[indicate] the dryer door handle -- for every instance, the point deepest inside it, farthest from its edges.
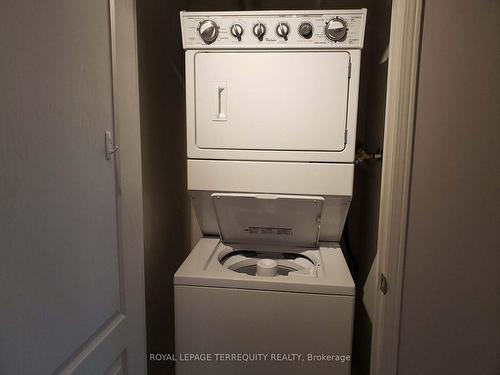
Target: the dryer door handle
(221, 102)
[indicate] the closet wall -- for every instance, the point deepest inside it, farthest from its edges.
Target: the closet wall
(166, 210)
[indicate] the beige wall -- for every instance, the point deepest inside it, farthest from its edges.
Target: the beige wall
(451, 298)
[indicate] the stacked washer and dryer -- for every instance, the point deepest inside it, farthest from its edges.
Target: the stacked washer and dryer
(271, 99)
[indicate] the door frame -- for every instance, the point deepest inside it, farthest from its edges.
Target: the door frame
(402, 78)
(129, 178)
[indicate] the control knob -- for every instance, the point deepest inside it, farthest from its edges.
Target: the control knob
(237, 31)
(208, 30)
(306, 30)
(336, 29)
(259, 30)
(282, 30)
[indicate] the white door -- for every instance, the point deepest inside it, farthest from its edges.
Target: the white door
(272, 100)
(62, 277)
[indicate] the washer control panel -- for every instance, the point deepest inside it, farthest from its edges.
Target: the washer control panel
(274, 29)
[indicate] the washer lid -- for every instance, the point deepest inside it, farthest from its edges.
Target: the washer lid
(292, 220)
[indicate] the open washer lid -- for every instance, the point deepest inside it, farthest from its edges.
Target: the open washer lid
(271, 219)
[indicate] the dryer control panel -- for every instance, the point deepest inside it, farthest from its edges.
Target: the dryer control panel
(342, 29)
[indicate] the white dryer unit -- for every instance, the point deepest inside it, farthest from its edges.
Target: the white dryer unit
(275, 98)
(271, 121)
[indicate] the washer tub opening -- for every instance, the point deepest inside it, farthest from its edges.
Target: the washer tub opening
(245, 261)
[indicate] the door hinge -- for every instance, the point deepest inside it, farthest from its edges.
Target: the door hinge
(345, 137)
(109, 147)
(349, 69)
(383, 284)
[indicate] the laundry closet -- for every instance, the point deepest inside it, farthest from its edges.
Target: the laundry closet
(171, 225)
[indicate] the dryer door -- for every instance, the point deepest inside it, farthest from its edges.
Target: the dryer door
(271, 100)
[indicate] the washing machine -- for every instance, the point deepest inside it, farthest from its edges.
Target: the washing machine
(271, 100)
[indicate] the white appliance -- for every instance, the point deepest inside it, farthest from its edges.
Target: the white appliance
(271, 101)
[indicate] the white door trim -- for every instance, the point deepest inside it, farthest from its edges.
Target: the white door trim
(129, 177)
(396, 170)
